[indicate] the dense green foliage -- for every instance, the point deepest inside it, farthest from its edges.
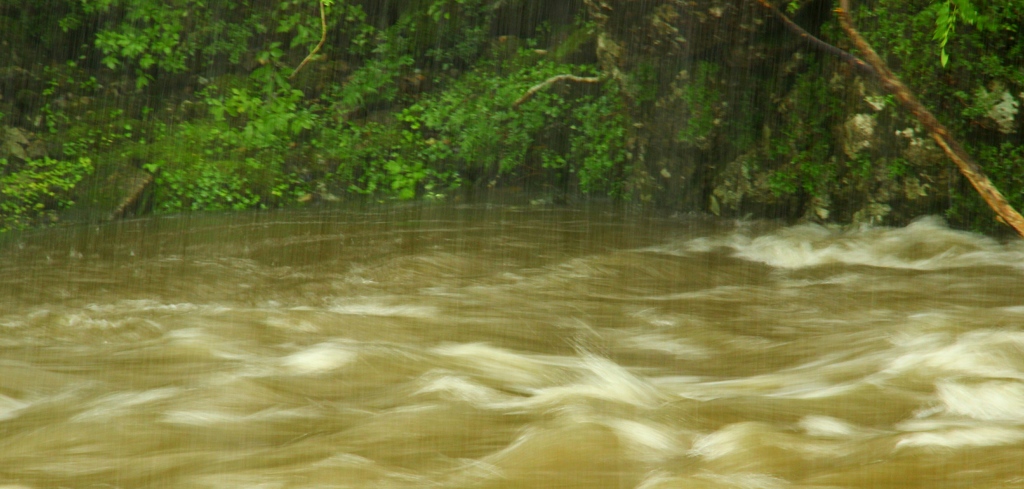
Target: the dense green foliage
(422, 98)
(266, 139)
(804, 149)
(31, 194)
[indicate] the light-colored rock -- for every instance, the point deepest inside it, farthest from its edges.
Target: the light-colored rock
(872, 213)
(860, 134)
(1004, 112)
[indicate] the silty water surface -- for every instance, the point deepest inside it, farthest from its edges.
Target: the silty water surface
(508, 347)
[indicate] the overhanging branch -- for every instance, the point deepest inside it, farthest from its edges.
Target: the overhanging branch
(818, 43)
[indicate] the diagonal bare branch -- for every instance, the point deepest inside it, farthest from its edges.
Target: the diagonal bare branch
(557, 78)
(968, 167)
(818, 43)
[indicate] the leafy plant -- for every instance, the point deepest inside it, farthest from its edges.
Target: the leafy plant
(947, 14)
(701, 98)
(262, 118)
(209, 185)
(599, 143)
(35, 191)
(804, 148)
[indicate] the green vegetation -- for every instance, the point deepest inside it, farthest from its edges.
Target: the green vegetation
(31, 194)
(803, 153)
(703, 101)
(427, 98)
(948, 13)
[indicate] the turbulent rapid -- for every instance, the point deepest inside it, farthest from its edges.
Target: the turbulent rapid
(508, 347)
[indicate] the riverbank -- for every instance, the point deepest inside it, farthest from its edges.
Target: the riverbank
(697, 108)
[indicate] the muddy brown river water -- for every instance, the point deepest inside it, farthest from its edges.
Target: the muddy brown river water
(508, 347)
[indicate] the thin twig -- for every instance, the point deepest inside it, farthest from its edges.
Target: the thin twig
(818, 43)
(968, 167)
(557, 78)
(323, 39)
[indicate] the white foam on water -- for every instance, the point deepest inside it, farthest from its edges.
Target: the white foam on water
(213, 417)
(189, 335)
(151, 305)
(600, 378)
(511, 368)
(981, 353)
(727, 441)
(345, 460)
(201, 343)
(10, 407)
(798, 248)
(384, 310)
(990, 401)
(978, 436)
(802, 382)
(200, 418)
(663, 343)
(619, 384)
(320, 358)
(82, 321)
(926, 244)
(1013, 309)
(547, 382)
(645, 441)
(457, 387)
(827, 427)
(659, 479)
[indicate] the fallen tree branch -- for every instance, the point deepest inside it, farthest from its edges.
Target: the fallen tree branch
(323, 39)
(557, 78)
(968, 167)
(818, 43)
